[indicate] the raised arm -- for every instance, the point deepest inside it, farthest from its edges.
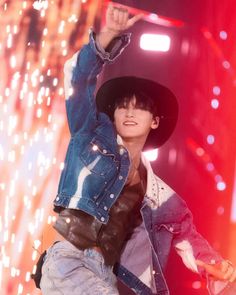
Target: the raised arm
(81, 71)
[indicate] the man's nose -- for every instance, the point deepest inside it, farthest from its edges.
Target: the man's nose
(129, 112)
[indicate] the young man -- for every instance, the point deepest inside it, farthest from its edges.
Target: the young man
(118, 219)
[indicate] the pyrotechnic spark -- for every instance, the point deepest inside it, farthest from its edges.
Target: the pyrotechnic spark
(32, 47)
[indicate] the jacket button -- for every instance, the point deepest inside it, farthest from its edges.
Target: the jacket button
(104, 151)
(121, 151)
(112, 196)
(102, 219)
(95, 147)
(57, 198)
(120, 177)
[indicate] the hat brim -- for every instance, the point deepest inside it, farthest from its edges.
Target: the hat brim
(166, 101)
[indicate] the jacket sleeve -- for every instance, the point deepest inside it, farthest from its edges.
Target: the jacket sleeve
(190, 245)
(80, 77)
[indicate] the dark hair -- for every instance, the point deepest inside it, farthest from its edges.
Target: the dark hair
(143, 101)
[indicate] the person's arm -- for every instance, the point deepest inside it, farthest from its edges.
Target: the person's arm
(200, 257)
(81, 71)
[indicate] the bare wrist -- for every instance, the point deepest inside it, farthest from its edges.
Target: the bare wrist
(106, 36)
(110, 32)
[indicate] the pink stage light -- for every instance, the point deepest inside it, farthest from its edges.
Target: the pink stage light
(221, 186)
(215, 103)
(155, 42)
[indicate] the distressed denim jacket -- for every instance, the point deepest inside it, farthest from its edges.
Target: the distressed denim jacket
(96, 169)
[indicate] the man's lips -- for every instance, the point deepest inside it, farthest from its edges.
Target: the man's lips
(129, 123)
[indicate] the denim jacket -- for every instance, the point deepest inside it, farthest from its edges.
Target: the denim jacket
(96, 169)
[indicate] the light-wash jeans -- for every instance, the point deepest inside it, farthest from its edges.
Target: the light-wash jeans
(69, 271)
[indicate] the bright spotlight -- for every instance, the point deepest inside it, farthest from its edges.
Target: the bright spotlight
(40, 4)
(155, 42)
(221, 186)
(151, 155)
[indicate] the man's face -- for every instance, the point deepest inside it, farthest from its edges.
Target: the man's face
(132, 122)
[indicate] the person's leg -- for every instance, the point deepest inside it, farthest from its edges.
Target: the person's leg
(67, 270)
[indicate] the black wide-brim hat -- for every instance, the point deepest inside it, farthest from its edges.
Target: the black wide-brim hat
(167, 105)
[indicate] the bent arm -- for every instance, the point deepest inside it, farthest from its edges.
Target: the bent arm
(191, 246)
(82, 70)
(81, 77)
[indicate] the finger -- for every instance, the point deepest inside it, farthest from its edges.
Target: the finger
(121, 16)
(110, 10)
(212, 269)
(233, 276)
(214, 272)
(228, 273)
(201, 263)
(224, 266)
(124, 18)
(116, 15)
(133, 20)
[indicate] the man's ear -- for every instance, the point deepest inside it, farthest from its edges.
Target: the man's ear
(155, 122)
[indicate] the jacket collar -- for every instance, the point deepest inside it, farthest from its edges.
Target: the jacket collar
(152, 193)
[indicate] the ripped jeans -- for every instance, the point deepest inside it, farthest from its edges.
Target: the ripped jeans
(70, 271)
